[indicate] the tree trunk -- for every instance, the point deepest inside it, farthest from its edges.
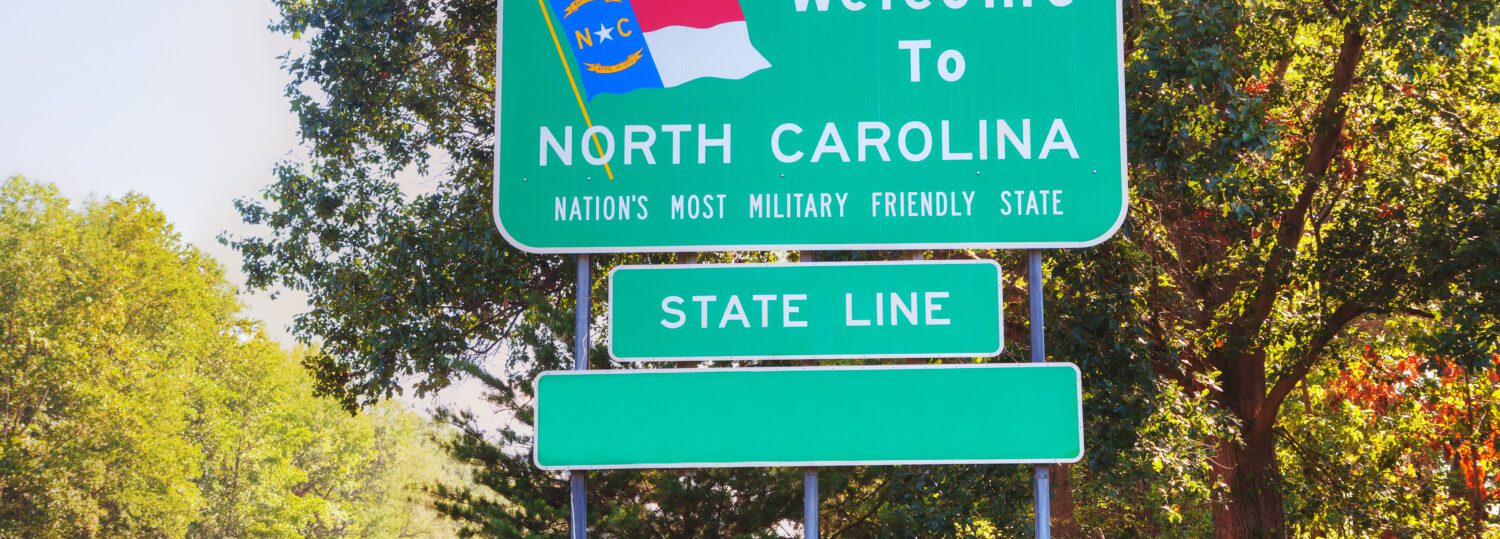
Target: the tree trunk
(1252, 508)
(1478, 512)
(1064, 525)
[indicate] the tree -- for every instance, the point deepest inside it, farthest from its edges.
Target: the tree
(1283, 199)
(279, 462)
(1299, 171)
(134, 402)
(102, 311)
(1396, 443)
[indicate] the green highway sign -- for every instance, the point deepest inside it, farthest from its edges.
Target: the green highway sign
(805, 311)
(668, 125)
(830, 416)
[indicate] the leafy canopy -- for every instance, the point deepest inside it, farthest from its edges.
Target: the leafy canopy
(135, 402)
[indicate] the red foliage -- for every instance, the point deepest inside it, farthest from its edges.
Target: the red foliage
(1459, 403)
(1256, 87)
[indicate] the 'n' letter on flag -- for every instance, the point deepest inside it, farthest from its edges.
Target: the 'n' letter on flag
(626, 45)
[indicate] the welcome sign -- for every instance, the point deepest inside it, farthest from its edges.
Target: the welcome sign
(700, 125)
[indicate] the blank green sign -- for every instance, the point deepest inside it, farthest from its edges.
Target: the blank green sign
(805, 311)
(698, 418)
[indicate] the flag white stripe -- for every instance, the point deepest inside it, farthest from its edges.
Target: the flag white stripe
(724, 51)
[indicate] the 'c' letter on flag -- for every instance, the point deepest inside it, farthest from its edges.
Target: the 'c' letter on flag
(626, 45)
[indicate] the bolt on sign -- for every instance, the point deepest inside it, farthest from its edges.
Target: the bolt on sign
(818, 416)
(703, 125)
(805, 311)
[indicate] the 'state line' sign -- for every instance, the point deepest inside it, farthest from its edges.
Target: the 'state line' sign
(805, 311)
(677, 125)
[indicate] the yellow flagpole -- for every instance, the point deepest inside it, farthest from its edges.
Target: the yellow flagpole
(564, 59)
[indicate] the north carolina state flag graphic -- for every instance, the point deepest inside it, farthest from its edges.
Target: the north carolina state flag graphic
(626, 45)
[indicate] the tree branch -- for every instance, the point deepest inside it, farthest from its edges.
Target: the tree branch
(1184, 279)
(1458, 120)
(1335, 325)
(1329, 128)
(882, 495)
(1333, 8)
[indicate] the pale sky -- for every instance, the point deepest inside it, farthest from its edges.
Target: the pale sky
(180, 100)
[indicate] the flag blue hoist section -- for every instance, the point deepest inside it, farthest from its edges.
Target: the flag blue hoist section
(609, 45)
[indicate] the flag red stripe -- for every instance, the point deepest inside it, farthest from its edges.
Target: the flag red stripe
(658, 14)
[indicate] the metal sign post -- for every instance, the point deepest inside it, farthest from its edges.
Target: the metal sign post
(810, 503)
(810, 498)
(1041, 472)
(579, 522)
